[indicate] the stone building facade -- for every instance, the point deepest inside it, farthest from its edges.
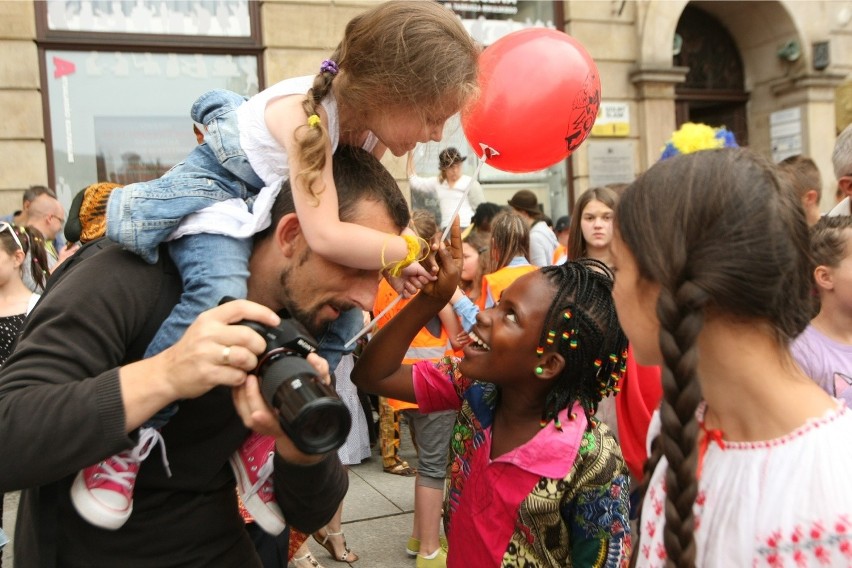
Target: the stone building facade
(777, 73)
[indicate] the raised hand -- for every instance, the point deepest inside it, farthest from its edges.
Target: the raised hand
(449, 261)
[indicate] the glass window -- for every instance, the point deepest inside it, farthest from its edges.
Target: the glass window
(124, 116)
(222, 18)
(489, 20)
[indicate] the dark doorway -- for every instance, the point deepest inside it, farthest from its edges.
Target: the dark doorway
(714, 90)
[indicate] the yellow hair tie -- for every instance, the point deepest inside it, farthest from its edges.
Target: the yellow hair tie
(418, 249)
(314, 121)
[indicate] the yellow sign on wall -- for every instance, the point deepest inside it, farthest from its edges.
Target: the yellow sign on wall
(613, 120)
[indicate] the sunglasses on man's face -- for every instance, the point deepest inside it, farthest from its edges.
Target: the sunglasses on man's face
(4, 226)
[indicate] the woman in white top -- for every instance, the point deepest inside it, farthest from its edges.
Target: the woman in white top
(449, 186)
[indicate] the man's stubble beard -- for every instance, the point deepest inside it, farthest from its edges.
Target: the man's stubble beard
(308, 319)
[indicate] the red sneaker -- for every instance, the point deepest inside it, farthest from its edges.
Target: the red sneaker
(252, 465)
(103, 493)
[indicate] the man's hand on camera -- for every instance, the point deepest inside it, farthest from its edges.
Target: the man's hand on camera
(321, 367)
(214, 352)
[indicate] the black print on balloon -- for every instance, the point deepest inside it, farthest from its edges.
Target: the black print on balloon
(585, 110)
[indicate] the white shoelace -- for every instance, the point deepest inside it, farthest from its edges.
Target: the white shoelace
(263, 475)
(148, 438)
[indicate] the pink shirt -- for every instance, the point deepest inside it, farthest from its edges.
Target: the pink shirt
(484, 495)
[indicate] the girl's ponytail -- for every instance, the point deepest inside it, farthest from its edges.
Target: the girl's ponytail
(32, 242)
(314, 136)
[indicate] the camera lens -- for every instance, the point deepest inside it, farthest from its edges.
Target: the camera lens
(309, 411)
(323, 425)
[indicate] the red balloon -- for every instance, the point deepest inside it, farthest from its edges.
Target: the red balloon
(539, 95)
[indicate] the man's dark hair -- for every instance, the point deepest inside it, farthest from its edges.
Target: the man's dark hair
(34, 191)
(485, 213)
(358, 176)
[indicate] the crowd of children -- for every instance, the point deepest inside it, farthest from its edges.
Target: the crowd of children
(738, 317)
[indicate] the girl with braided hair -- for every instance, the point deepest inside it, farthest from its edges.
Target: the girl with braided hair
(749, 457)
(534, 479)
(402, 69)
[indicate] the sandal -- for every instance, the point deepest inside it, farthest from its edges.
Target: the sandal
(347, 556)
(401, 467)
(306, 561)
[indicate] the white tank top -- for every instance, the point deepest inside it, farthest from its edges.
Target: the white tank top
(269, 161)
(266, 156)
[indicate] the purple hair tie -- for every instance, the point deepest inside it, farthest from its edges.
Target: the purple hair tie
(329, 66)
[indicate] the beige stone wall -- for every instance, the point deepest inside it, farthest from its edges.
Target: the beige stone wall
(23, 159)
(609, 37)
(630, 41)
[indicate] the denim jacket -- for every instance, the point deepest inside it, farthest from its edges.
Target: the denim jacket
(142, 215)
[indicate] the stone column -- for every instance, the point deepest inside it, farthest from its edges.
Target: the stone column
(655, 102)
(23, 157)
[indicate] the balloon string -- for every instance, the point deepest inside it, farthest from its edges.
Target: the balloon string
(370, 325)
(396, 300)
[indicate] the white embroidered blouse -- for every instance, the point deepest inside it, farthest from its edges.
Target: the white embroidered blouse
(783, 502)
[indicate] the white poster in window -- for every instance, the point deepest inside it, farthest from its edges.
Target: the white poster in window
(220, 18)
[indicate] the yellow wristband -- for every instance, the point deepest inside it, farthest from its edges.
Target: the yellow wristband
(415, 253)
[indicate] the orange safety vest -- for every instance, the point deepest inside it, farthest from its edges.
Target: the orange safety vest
(560, 253)
(424, 346)
(500, 280)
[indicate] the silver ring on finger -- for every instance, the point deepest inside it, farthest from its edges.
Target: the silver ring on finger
(226, 356)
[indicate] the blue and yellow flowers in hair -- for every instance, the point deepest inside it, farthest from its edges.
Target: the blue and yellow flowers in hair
(692, 137)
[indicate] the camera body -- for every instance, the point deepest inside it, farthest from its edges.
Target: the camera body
(309, 411)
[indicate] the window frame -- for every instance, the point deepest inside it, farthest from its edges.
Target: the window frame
(65, 40)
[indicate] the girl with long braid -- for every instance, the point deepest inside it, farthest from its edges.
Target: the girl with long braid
(533, 479)
(749, 457)
(401, 70)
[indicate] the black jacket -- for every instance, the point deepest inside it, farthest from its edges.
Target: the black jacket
(61, 411)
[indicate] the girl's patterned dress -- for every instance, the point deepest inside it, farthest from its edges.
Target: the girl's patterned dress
(561, 499)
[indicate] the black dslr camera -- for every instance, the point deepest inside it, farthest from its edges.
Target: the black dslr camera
(309, 411)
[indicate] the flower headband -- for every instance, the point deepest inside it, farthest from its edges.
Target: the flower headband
(692, 137)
